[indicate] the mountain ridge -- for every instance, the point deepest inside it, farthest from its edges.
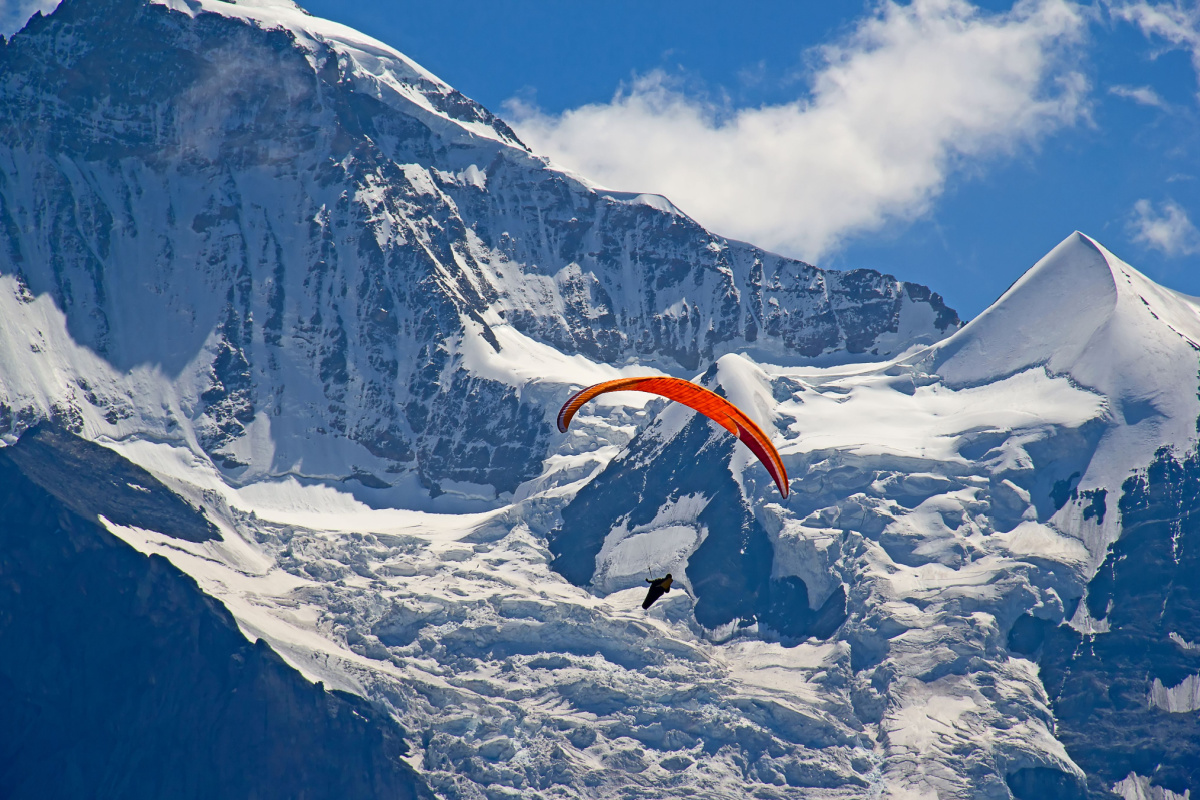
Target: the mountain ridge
(285, 219)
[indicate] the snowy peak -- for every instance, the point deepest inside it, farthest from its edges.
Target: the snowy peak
(373, 68)
(1047, 317)
(1083, 312)
(303, 231)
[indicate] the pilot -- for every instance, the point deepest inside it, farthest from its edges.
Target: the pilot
(658, 587)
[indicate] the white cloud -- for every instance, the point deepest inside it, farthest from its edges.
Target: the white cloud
(15, 13)
(1176, 22)
(1143, 95)
(1167, 229)
(914, 93)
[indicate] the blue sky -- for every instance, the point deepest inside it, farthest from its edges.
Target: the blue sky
(943, 141)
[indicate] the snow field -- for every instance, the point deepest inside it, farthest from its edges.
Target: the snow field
(498, 668)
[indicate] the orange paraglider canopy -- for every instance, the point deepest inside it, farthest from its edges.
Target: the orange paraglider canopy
(711, 405)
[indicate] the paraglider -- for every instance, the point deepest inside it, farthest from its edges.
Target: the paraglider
(708, 403)
(658, 587)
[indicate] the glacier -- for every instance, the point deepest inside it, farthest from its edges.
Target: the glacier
(295, 280)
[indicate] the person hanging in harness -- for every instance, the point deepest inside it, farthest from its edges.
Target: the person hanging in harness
(658, 587)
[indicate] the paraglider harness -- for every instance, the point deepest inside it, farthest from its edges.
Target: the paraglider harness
(658, 587)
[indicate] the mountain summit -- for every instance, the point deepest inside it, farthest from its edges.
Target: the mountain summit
(298, 237)
(1084, 314)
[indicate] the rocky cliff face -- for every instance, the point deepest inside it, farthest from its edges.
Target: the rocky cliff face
(297, 228)
(1126, 699)
(122, 679)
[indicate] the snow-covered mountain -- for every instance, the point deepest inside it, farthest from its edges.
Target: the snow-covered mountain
(937, 501)
(280, 271)
(312, 248)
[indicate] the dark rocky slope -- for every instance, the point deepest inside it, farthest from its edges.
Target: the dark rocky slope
(120, 678)
(1101, 686)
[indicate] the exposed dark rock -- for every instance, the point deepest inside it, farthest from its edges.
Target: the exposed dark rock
(1044, 783)
(786, 610)
(1027, 634)
(120, 678)
(1148, 590)
(92, 480)
(478, 431)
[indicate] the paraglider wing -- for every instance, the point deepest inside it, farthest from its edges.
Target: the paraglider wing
(710, 404)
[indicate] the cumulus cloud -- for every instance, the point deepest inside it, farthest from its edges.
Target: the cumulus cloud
(912, 94)
(1167, 228)
(1143, 95)
(15, 13)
